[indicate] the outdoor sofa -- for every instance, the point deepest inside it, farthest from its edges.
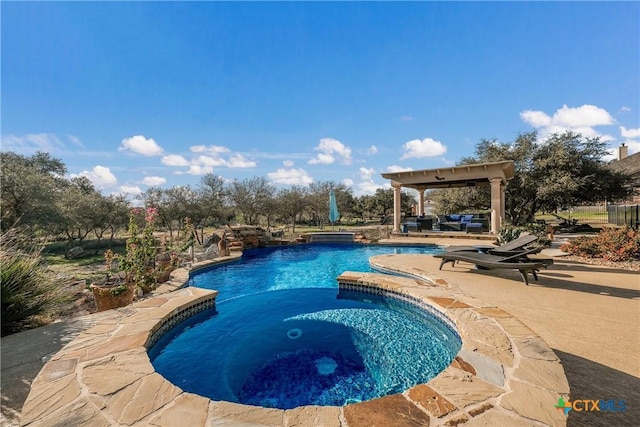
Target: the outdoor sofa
(470, 223)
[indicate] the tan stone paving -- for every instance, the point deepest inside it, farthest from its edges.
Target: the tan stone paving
(588, 314)
(506, 374)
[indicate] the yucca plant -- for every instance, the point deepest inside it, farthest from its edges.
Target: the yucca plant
(508, 233)
(28, 290)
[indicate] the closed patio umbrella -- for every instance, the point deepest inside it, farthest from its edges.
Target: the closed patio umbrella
(334, 215)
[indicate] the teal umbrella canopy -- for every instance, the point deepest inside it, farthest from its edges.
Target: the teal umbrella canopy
(334, 215)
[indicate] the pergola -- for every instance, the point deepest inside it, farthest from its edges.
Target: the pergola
(495, 174)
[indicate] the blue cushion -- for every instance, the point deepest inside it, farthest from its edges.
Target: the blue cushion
(454, 217)
(466, 218)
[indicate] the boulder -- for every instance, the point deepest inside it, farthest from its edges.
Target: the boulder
(75, 252)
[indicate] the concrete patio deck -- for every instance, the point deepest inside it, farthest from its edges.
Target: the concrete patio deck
(589, 315)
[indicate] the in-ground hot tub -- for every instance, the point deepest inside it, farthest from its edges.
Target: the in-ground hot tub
(289, 348)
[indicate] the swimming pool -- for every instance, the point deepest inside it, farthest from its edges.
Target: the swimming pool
(283, 335)
(298, 266)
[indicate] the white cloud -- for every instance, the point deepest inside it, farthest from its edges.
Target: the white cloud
(406, 118)
(535, 118)
(629, 133)
(625, 109)
(174, 160)
(130, 189)
(580, 117)
(212, 149)
(288, 163)
(290, 177)
(369, 187)
(634, 146)
(323, 159)
(196, 170)
(30, 143)
(239, 161)
(423, 148)
(581, 120)
(141, 145)
(372, 150)
(330, 149)
(208, 158)
(153, 181)
(366, 185)
(100, 176)
(75, 141)
(612, 154)
(209, 161)
(396, 168)
(366, 174)
(606, 138)
(236, 161)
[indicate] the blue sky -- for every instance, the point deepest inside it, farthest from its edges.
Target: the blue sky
(135, 94)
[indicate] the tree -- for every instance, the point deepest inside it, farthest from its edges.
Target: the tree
(359, 207)
(250, 197)
(30, 187)
(318, 200)
(183, 202)
(462, 199)
(80, 206)
(112, 215)
(292, 202)
(570, 171)
(212, 195)
(381, 203)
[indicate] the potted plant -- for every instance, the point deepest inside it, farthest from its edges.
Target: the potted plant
(114, 291)
(138, 263)
(167, 261)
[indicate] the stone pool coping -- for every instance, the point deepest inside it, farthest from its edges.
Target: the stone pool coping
(504, 374)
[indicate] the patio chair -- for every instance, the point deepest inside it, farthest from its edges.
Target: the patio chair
(509, 248)
(486, 261)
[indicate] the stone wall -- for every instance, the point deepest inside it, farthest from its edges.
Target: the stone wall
(246, 237)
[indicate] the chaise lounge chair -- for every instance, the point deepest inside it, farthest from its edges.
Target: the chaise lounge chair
(486, 261)
(513, 247)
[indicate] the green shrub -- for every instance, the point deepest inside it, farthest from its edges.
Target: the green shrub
(509, 233)
(28, 291)
(539, 230)
(611, 244)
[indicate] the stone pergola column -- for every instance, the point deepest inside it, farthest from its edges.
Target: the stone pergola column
(497, 204)
(420, 202)
(503, 208)
(397, 204)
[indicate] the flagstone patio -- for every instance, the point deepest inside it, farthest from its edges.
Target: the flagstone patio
(505, 374)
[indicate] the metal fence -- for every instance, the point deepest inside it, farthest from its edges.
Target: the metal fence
(603, 214)
(624, 214)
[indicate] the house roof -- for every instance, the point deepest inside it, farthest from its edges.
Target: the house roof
(630, 165)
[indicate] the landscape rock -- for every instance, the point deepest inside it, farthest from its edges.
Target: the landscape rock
(75, 252)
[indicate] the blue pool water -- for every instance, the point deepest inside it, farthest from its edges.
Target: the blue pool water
(300, 266)
(285, 336)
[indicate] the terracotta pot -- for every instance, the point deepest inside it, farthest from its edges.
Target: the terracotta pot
(165, 271)
(106, 300)
(147, 288)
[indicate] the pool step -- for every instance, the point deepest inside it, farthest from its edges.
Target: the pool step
(331, 237)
